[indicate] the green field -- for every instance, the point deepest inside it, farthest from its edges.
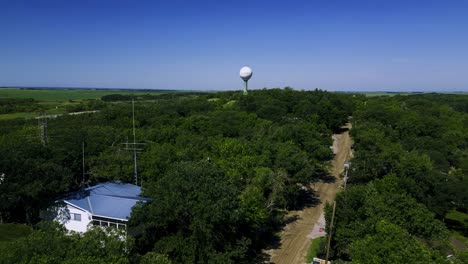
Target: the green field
(61, 95)
(390, 94)
(372, 94)
(59, 101)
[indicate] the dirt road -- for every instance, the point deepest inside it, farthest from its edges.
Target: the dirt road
(294, 240)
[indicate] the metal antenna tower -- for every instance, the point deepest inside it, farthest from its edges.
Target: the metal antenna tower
(135, 168)
(135, 147)
(84, 173)
(83, 167)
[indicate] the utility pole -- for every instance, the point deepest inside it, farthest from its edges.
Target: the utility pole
(43, 124)
(330, 233)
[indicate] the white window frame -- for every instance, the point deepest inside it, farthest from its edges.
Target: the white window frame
(76, 217)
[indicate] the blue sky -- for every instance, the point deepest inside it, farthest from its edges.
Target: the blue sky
(201, 45)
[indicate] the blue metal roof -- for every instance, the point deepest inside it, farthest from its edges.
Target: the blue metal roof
(109, 199)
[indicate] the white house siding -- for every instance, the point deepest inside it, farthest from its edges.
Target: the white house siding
(75, 225)
(105, 204)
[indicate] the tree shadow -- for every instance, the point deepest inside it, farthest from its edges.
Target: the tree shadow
(307, 198)
(289, 220)
(340, 130)
(326, 178)
(262, 258)
(311, 199)
(274, 242)
(274, 239)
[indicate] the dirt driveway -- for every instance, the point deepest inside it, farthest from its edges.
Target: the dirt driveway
(294, 241)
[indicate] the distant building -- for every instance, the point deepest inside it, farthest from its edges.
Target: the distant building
(105, 204)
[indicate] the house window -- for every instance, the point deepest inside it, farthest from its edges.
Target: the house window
(76, 217)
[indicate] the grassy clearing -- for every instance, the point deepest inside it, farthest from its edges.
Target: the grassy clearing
(230, 103)
(457, 222)
(17, 115)
(60, 95)
(458, 241)
(51, 111)
(314, 248)
(11, 232)
(457, 216)
(457, 235)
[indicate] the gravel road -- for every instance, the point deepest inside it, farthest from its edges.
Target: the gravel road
(294, 237)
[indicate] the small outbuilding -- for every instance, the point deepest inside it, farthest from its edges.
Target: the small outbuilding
(105, 204)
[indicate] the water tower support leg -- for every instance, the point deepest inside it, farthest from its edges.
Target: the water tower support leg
(245, 88)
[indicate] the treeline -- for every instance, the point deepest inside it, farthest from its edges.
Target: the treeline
(221, 168)
(13, 105)
(162, 95)
(410, 169)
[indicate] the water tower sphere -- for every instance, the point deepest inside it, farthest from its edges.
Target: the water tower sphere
(245, 73)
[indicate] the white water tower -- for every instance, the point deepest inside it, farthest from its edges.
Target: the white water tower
(245, 74)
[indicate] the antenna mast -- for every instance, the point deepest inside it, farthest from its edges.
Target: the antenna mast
(135, 147)
(83, 163)
(135, 168)
(83, 168)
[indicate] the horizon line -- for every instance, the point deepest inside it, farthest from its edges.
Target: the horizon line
(214, 90)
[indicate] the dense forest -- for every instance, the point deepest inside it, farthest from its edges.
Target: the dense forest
(409, 171)
(221, 169)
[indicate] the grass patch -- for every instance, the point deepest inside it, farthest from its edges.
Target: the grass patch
(459, 242)
(457, 235)
(229, 104)
(17, 115)
(457, 216)
(457, 222)
(11, 232)
(314, 248)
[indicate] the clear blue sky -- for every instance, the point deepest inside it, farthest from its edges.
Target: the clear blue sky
(333, 45)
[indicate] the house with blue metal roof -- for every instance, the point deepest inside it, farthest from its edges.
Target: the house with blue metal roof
(105, 204)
